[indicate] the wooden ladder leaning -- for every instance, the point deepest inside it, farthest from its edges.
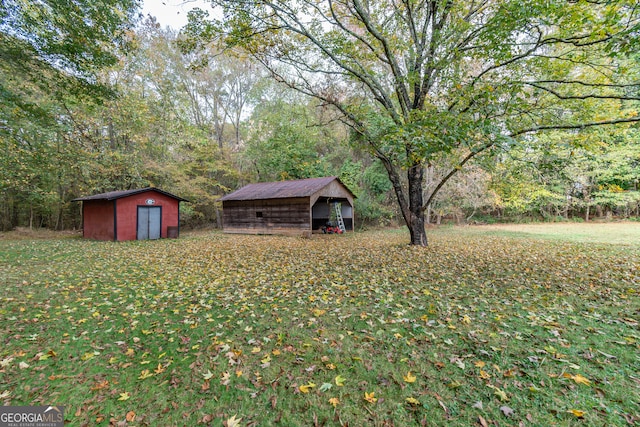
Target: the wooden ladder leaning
(338, 209)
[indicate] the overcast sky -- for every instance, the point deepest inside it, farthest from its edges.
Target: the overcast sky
(172, 13)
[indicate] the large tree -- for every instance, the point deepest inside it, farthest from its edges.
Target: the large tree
(422, 80)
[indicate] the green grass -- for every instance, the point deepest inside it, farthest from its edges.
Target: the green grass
(616, 233)
(198, 330)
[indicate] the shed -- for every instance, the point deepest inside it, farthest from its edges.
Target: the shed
(145, 213)
(287, 207)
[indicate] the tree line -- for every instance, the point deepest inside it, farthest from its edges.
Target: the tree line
(482, 113)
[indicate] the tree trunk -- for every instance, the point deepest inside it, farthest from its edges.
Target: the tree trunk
(218, 218)
(415, 175)
(412, 211)
(472, 214)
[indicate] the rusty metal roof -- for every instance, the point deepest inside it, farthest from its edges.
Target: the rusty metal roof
(112, 195)
(282, 189)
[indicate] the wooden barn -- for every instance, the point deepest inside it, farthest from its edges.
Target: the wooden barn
(287, 207)
(145, 213)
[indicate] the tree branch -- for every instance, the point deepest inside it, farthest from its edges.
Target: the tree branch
(635, 119)
(458, 167)
(402, 94)
(583, 97)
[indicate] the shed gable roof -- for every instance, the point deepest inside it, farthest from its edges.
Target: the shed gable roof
(283, 189)
(113, 195)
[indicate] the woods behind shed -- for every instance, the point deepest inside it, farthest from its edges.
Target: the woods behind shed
(286, 207)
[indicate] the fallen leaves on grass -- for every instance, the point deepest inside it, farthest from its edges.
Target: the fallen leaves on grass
(409, 378)
(145, 374)
(225, 379)
(501, 394)
(473, 316)
(579, 379)
(507, 411)
(233, 421)
(306, 387)
(412, 401)
(370, 397)
(576, 412)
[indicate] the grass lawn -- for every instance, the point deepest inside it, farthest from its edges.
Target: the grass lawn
(620, 233)
(487, 326)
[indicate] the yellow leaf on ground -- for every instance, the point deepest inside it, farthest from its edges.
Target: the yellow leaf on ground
(334, 401)
(340, 380)
(581, 380)
(576, 412)
(87, 356)
(501, 394)
(145, 374)
(124, 396)
(409, 378)
(412, 401)
(370, 397)
(306, 388)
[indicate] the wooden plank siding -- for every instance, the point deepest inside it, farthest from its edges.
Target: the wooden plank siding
(286, 207)
(334, 190)
(275, 216)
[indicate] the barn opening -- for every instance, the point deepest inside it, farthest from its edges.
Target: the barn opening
(324, 212)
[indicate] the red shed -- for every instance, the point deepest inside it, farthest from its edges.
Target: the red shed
(145, 213)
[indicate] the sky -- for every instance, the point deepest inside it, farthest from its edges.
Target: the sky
(172, 13)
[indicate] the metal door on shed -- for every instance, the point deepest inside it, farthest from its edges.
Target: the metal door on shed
(149, 222)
